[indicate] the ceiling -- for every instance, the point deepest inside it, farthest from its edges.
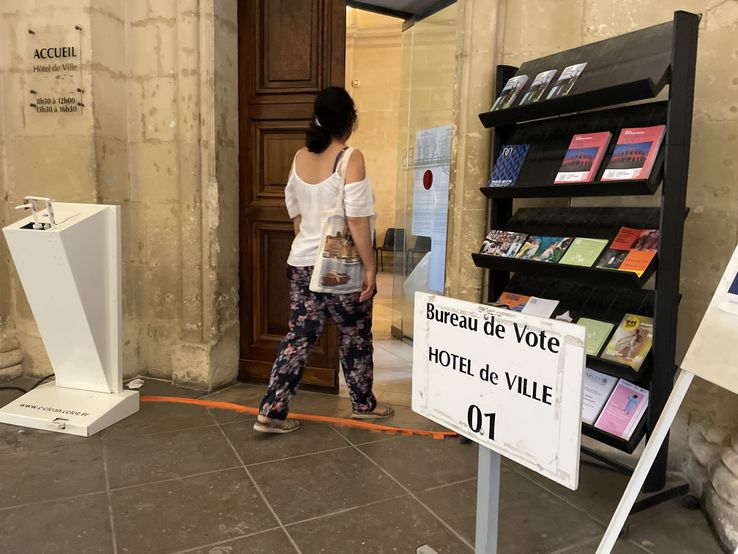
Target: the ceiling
(409, 10)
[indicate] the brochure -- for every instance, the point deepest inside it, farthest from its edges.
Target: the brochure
(623, 410)
(510, 92)
(537, 87)
(515, 302)
(584, 252)
(631, 341)
(631, 250)
(541, 307)
(634, 153)
(583, 158)
(508, 165)
(597, 333)
(566, 80)
(544, 249)
(502, 243)
(597, 389)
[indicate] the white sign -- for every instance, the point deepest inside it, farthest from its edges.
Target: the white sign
(713, 354)
(508, 381)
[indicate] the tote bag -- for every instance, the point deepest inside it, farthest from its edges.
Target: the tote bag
(338, 267)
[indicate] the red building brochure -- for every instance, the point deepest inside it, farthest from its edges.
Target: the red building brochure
(583, 158)
(635, 153)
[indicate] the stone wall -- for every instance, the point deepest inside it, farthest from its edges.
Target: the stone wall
(373, 80)
(701, 445)
(158, 136)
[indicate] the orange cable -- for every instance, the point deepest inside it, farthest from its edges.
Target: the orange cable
(357, 424)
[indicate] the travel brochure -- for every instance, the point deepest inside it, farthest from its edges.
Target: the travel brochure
(508, 165)
(633, 157)
(635, 153)
(631, 341)
(597, 333)
(632, 250)
(510, 92)
(583, 158)
(543, 249)
(530, 305)
(502, 243)
(597, 389)
(623, 411)
(515, 85)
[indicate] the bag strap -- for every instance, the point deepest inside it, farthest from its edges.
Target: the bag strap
(342, 167)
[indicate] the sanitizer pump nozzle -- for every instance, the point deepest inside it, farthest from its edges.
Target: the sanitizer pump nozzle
(32, 204)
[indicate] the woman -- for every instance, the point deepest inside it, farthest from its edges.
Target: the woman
(312, 187)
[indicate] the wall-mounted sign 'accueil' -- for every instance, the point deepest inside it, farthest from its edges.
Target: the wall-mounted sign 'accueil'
(56, 83)
(508, 381)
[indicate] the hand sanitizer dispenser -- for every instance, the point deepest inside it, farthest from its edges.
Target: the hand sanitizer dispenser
(69, 263)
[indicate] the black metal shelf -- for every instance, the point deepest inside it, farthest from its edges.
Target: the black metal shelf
(596, 275)
(615, 369)
(630, 67)
(627, 446)
(598, 188)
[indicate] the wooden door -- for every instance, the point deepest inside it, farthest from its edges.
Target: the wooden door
(288, 50)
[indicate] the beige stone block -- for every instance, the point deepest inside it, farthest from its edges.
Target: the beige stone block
(134, 107)
(136, 10)
(551, 26)
(61, 168)
(166, 9)
(163, 235)
(108, 40)
(155, 347)
(130, 348)
(224, 358)
(154, 171)
(159, 109)
(10, 358)
(8, 343)
(191, 365)
(10, 373)
(188, 109)
(166, 48)
(142, 40)
(109, 105)
(36, 362)
(113, 181)
(133, 231)
(717, 81)
(713, 168)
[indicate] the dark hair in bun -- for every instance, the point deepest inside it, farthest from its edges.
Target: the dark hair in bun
(334, 116)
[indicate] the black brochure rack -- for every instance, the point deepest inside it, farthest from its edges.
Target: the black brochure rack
(629, 69)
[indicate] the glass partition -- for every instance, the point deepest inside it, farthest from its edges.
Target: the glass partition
(426, 110)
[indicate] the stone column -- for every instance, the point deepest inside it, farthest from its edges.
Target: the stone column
(477, 55)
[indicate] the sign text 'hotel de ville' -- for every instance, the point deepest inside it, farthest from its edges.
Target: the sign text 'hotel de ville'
(55, 80)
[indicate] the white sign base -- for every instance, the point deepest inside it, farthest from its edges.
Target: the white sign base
(71, 411)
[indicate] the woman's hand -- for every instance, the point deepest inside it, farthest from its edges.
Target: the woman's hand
(370, 283)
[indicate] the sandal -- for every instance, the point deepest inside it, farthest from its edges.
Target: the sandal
(379, 412)
(277, 426)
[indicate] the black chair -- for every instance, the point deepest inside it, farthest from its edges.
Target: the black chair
(422, 246)
(394, 241)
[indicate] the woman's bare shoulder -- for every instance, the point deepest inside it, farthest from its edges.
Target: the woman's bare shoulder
(356, 170)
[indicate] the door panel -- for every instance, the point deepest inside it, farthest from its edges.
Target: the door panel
(288, 51)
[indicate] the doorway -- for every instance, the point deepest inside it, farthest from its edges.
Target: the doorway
(373, 78)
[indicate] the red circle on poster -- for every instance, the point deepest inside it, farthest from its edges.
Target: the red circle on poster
(428, 179)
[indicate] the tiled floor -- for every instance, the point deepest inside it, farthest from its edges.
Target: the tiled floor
(178, 478)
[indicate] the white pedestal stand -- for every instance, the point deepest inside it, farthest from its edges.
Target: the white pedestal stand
(71, 276)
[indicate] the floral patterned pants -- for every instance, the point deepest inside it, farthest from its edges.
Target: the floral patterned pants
(310, 312)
